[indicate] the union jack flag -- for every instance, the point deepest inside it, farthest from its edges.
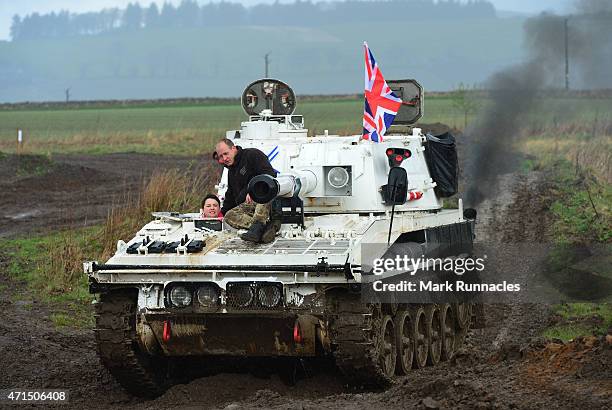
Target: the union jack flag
(381, 104)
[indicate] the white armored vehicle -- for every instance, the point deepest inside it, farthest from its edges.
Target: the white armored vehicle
(186, 286)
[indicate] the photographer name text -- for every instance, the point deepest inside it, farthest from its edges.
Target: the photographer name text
(457, 286)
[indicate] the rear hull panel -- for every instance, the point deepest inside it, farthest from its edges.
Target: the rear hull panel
(235, 335)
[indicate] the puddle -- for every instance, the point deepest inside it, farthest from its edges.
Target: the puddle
(24, 215)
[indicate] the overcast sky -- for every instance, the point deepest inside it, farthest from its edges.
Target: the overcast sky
(8, 8)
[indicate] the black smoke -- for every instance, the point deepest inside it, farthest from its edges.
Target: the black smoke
(513, 92)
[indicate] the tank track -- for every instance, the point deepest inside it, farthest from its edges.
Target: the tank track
(356, 337)
(117, 347)
(355, 344)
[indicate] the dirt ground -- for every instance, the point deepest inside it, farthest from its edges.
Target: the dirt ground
(39, 194)
(503, 366)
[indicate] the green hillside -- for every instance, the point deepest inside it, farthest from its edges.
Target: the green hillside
(220, 61)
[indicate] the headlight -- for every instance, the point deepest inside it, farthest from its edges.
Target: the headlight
(269, 296)
(241, 295)
(338, 177)
(180, 296)
(207, 296)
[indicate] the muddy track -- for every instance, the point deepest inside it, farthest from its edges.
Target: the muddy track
(492, 370)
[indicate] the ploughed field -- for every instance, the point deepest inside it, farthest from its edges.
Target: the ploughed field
(42, 194)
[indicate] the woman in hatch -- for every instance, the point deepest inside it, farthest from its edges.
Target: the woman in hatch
(211, 207)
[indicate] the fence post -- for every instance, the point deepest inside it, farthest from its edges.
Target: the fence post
(19, 140)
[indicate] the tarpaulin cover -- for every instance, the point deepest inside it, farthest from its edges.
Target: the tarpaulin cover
(441, 157)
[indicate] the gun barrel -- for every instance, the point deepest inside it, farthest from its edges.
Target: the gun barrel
(265, 188)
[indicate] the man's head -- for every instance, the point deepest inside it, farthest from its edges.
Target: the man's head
(225, 152)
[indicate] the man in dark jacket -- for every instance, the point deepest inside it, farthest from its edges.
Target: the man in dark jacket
(239, 210)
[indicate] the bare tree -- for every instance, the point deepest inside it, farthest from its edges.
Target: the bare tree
(465, 99)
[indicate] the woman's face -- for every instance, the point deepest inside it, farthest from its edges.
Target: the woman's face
(211, 208)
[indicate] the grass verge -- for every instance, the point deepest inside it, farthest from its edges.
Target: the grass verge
(51, 268)
(580, 319)
(580, 181)
(170, 190)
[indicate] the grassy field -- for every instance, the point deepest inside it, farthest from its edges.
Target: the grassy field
(193, 129)
(51, 267)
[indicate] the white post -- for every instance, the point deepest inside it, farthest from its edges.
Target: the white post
(19, 139)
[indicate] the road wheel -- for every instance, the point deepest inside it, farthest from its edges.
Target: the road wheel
(419, 335)
(463, 314)
(404, 342)
(462, 322)
(434, 334)
(387, 348)
(448, 331)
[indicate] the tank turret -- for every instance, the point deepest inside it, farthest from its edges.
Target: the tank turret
(332, 173)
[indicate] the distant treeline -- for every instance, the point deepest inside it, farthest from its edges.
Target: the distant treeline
(191, 14)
